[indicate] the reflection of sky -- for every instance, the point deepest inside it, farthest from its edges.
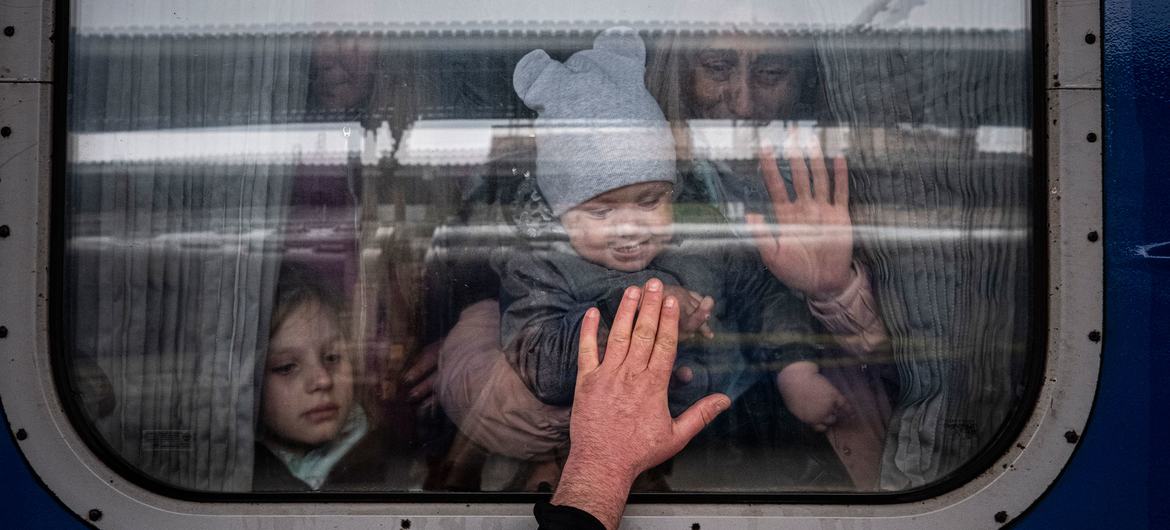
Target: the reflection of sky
(100, 16)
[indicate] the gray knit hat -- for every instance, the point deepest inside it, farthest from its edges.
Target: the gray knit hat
(598, 128)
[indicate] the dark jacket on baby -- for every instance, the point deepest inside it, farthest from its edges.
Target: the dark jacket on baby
(546, 291)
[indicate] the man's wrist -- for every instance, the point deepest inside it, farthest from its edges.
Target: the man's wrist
(594, 485)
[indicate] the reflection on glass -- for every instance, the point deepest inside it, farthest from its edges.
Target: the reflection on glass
(349, 249)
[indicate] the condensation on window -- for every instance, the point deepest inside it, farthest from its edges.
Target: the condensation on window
(347, 246)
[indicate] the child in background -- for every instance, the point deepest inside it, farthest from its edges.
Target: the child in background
(605, 165)
(313, 433)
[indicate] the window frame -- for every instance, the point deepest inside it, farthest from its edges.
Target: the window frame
(1006, 481)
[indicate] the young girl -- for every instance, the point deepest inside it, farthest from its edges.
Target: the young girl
(313, 434)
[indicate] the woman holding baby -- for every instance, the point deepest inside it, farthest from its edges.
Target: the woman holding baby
(614, 171)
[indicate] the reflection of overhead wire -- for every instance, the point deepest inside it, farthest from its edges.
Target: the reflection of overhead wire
(887, 13)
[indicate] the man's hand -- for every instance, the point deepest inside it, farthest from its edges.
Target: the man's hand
(811, 249)
(620, 423)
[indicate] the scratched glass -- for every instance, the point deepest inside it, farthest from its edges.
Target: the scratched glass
(324, 248)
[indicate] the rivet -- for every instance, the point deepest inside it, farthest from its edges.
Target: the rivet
(1095, 336)
(9, 31)
(5, 231)
(1094, 236)
(21, 435)
(1071, 437)
(406, 523)
(1001, 517)
(95, 515)
(1091, 137)
(695, 526)
(1090, 38)
(6, 131)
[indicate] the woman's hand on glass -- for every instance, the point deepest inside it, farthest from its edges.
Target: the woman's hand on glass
(810, 248)
(420, 380)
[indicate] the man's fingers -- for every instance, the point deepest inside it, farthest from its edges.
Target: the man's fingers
(623, 325)
(840, 182)
(699, 415)
(666, 341)
(646, 327)
(587, 343)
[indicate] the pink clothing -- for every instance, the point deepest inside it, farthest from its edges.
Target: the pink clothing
(490, 404)
(853, 319)
(485, 397)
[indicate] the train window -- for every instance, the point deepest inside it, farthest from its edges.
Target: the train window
(346, 248)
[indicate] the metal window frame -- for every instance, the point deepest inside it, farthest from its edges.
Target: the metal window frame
(1005, 490)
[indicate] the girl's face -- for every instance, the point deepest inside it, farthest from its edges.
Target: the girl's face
(308, 380)
(731, 79)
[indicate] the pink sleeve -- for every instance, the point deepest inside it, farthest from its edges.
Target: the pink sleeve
(852, 316)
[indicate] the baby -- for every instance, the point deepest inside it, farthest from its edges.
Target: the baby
(605, 166)
(313, 434)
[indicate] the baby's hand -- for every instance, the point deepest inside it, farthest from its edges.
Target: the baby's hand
(810, 397)
(695, 310)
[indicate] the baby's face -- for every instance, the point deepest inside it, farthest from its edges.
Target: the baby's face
(622, 229)
(308, 380)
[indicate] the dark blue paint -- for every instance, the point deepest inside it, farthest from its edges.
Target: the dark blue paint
(1120, 476)
(23, 503)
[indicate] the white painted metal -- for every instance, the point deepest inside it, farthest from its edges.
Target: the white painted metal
(1014, 482)
(26, 54)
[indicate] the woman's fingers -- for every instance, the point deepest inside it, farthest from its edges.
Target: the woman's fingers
(799, 173)
(646, 329)
(761, 234)
(820, 175)
(587, 356)
(772, 181)
(840, 182)
(423, 365)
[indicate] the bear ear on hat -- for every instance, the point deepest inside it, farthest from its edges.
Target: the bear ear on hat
(622, 41)
(528, 70)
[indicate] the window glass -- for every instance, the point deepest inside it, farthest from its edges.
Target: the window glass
(346, 246)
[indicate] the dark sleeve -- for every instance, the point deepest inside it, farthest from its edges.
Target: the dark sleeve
(553, 517)
(773, 313)
(540, 323)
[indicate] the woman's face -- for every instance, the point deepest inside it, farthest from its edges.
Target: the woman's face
(341, 72)
(734, 79)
